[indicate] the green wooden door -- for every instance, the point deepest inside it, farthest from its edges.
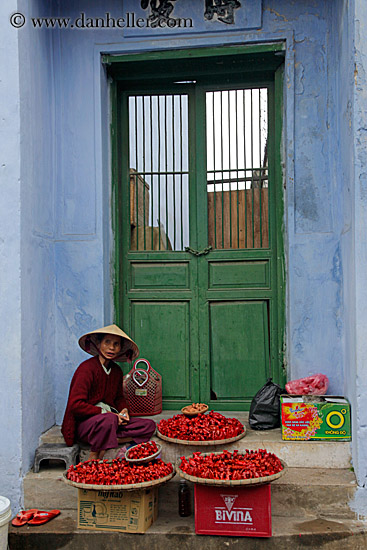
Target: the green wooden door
(199, 246)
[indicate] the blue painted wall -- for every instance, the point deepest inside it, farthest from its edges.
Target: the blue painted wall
(37, 231)
(359, 244)
(10, 281)
(315, 263)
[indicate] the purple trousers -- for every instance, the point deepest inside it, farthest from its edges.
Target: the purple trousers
(102, 430)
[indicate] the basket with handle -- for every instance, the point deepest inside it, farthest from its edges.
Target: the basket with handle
(142, 389)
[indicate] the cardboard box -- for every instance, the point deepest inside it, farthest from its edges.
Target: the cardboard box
(126, 511)
(314, 417)
(242, 511)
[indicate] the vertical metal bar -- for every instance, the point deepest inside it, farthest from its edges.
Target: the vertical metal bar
(238, 208)
(131, 134)
(143, 182)
(260, 172)
(245, 159)
(174, 174)
(221, 159)
(159, 174)
(166, 165)
(181, 164)
(229, 167)
(136, 176)
(151, 169)
(215, 177)
(252, 172)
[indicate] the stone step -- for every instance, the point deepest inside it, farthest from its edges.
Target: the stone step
(170, 531)
(311, 503)
(296, 454)
(300, 492)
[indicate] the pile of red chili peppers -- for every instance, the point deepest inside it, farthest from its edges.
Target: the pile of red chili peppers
(143, 450)
(117, 472)
(203, 427)
(231, 466)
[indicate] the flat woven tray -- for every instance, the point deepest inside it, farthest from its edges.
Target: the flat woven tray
(203, 443)
(127, 487)
(193, 414)
(143, 460)
(229, 482)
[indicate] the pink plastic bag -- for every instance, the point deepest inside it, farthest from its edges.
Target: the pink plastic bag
(317, 384)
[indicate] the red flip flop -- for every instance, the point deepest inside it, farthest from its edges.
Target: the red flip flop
(23, 517)
(43, 517)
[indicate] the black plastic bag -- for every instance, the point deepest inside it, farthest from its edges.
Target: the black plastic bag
(265, 407)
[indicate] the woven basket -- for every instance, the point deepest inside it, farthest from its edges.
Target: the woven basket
(229, 482)
(127, 487)
(192, 414)
(142, 460)
(202, 443)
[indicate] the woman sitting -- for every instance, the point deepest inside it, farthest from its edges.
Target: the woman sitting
(95, 412)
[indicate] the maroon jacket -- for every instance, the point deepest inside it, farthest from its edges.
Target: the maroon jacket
(90, 384)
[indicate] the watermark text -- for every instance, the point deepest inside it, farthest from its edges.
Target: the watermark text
(129, 21)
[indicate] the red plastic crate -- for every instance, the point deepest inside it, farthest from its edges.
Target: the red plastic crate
(241, 511)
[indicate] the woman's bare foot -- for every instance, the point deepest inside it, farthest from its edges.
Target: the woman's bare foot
(97, 455)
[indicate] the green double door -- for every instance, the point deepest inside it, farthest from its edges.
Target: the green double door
(199, 234)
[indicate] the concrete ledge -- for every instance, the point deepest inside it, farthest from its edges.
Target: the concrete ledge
(301, 492)
(171, 531)
(297, 454)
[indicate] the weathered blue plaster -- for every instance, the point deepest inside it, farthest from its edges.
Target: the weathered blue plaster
(10, 261)
(359, 123)
(337, 277)
(316, 301)
(37, 231)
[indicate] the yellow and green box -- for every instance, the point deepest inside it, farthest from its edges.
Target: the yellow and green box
(314, 417)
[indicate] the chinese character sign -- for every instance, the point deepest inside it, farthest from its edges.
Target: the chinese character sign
(222, 9)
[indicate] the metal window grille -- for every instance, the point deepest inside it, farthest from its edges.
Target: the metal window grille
(237, 168)
(159, 172)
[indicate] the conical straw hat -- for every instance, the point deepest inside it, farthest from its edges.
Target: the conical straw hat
(89, 343)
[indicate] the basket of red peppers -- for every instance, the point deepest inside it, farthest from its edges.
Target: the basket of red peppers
(119, 474)
(212, 428)
(231, 468)
(144, 452)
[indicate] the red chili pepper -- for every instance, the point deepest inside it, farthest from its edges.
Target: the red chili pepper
(226, 465)
(118, 472)
(143, 450)
(203, 427)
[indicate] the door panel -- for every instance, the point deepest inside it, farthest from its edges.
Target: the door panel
(239, 274)
(160, 275)
(239, 352)
(162, 330)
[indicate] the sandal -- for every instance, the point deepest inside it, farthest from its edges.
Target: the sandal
(41, 517)
(23, 517)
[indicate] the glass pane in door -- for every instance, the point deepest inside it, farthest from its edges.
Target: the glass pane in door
(237, 168)
(159, 172)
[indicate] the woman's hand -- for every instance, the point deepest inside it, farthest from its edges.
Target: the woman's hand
(123, 416)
